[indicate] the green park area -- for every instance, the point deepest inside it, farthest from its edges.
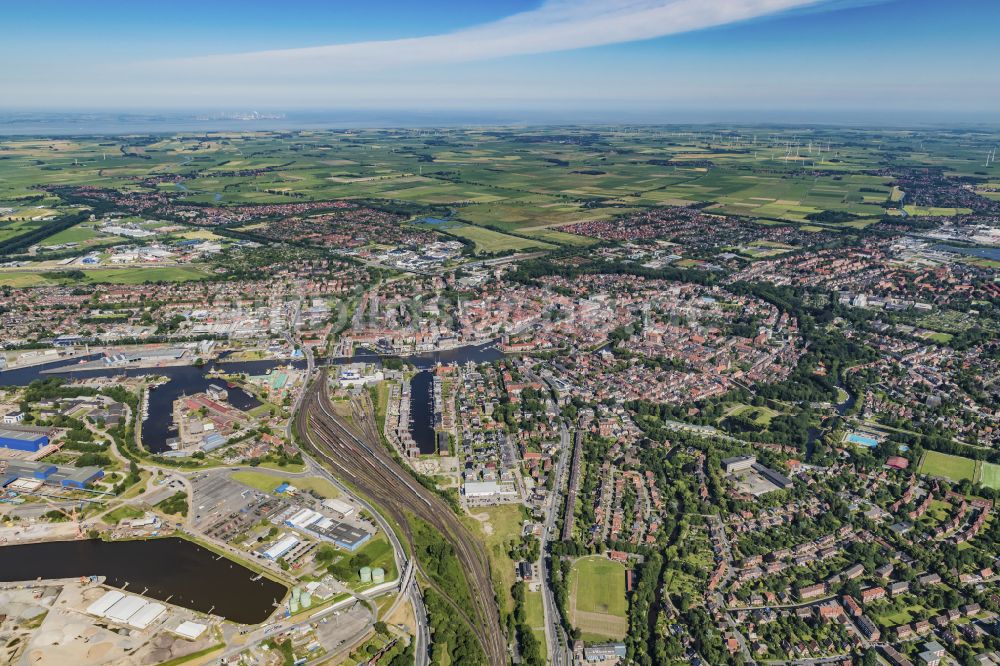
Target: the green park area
(534, 614)
(499, 527)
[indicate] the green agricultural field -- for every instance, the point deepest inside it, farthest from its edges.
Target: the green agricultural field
(515, 188)
(990, 475)
(948, 466)
(557, 237)
(490, 242)
(77, 234)
(922, 210)
(126, 275)
(14, 227)
(598, 606)
(19, 279)
(138, 275)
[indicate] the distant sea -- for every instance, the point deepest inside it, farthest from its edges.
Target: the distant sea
(42, 123)
(114, 124)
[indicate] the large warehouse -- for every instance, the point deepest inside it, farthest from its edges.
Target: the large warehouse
(75, 477)
(23, 439)
(126, 609)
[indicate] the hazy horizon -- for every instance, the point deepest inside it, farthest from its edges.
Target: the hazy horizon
(825, 59)
(111, 122)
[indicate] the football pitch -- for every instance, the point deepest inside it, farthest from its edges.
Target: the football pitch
(948, 466)
(597, 598)
(990, 476)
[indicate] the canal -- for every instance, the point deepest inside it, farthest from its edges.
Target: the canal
(422, 411)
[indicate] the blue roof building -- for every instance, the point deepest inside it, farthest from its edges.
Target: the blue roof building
(22, 440)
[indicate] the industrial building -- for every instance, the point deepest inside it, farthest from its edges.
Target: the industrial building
(169, 354)
(190, 630)
(359, 374)
(70, 477)
(126, 609)
(212, 442)
(23, 438)
(480, 489)
(280, 547)
(344, 535)
(74, 477)
(604, 652)
(101, 606)
(146, 615)
(341, 507)
(70, 340)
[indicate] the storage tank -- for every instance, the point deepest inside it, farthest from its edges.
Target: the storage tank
(366, 574)
(296, 593)
(293, 606)
(306, 599)
(378, 575)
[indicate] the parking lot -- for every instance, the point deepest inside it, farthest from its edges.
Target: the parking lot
(222, 507)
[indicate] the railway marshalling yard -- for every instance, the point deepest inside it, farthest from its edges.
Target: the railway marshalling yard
(360, 459)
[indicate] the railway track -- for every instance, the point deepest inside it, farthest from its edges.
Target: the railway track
(357, 456)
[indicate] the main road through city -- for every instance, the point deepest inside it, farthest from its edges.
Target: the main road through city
(359, 458)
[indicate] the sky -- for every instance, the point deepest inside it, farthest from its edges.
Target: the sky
(567, 58)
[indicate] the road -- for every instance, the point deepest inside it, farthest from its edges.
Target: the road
(809, 662)
(310, 368)
(358, 456)
(574, 484)
(422, 630)
(284, 625)
(555, 637)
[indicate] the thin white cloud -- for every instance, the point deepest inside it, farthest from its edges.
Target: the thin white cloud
(557, 25)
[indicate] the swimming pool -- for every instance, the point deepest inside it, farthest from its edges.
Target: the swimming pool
(870, 442)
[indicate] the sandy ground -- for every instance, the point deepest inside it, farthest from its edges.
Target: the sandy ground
(403, 615)
(54, 630)
(26, 532)
(484, 519)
